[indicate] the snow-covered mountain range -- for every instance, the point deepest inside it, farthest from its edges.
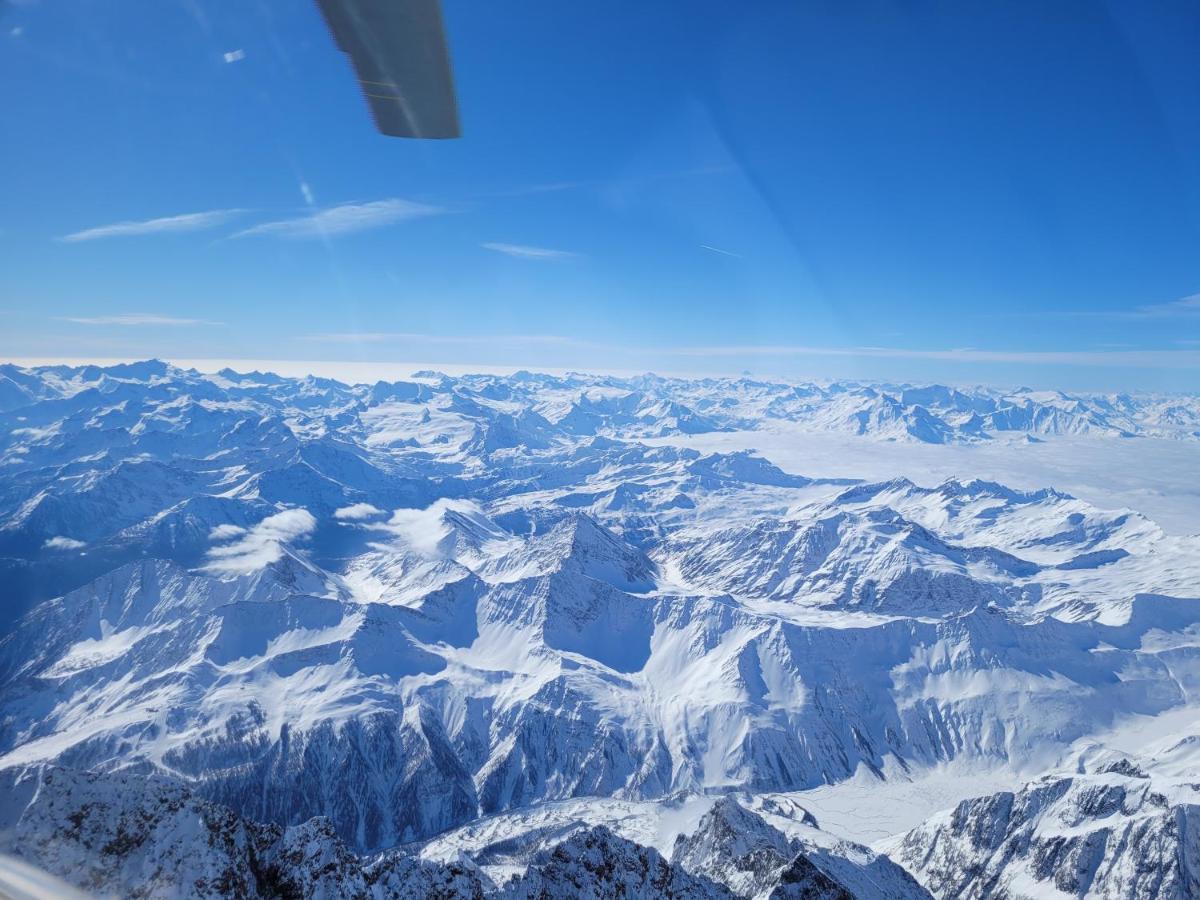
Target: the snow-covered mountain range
(475, 636)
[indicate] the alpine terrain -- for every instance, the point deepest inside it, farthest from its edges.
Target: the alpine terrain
(523, 637)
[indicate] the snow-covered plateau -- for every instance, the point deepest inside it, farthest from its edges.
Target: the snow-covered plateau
(532, 636)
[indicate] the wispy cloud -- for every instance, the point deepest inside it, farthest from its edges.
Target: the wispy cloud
(1186, 306)
(1132, 358)
(524, 251)
(719, 250)
(357, 512)
(166, 225)
(345, 218)
(259, 546)
(391, 337)
(135, 319)
(1115, 356)
(532, 189)
(626, 182)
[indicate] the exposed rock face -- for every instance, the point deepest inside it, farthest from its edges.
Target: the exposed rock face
(149, 837)
(738, 848)
(595, 864)
(352, 618)
(802, 880)
(1114, 834)
(137, 837)
(397, 721)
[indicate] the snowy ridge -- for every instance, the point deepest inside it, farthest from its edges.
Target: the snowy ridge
(1116, 833)
(140, 837)
(421, 612)
(492, 697)
(740, 849)
(135, 837)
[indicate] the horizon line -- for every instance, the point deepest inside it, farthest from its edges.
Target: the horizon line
(359, 372)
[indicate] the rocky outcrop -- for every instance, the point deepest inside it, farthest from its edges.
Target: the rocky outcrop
(1114, 834)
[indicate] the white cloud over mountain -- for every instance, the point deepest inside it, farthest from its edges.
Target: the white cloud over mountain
(259, 546)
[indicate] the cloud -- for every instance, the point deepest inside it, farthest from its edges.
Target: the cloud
(170, 224)
(1183, 307)
(544, 188)
(1130, 358)
(234, 56)
(1186, 306)
(226, 532)
(135, 319)
(424, 530)
(628, 183)
(356, 512)
(390, 337)
(722, 252)
(346, 218)
(1180, 356)
(259, 546)
(521, 251)
(63, 543)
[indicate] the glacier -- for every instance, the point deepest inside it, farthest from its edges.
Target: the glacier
(516, 636)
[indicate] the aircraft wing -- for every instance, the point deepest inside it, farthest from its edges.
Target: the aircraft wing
(399, 52)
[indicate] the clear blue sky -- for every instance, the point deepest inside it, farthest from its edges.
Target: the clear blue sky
(1003, 192)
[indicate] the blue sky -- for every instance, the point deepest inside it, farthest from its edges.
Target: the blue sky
(994, 192)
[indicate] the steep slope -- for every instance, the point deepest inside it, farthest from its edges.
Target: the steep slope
(140, 837)
(593, 864)
(1110, 834)
(876, 561)
(740, 849)
(405, 611)
(397, 722)
(136, 837)
(577, 546)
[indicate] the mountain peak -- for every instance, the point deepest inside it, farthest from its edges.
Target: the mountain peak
(582, 542)
(140, 371)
